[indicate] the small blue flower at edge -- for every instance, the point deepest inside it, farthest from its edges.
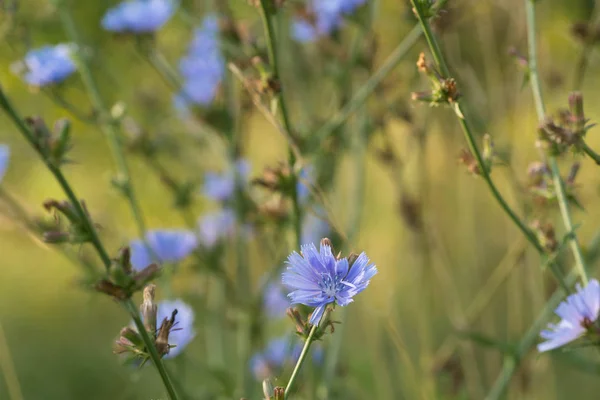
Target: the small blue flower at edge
(138, 16)
(168, 245)
(577, 311)
(46, 65)
(319, 279)
(4, 157)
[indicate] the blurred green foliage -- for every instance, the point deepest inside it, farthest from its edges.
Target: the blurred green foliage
(60, 335)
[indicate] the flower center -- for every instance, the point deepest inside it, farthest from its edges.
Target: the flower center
(330, 286)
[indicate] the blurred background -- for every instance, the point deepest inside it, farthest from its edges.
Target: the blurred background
(457, 286)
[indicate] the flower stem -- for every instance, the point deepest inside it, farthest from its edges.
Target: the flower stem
(107, 123)
(590, 153)
(469, 136)
(300, 361)
(58, 175)
(91, 230)
(281, 105)
(539, 106)
(156, 359)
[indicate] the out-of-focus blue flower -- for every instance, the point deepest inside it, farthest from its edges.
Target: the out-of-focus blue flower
(138, 16)
(319, 279)
(314, 229)
(167, 245)
(203, 67)
(221, 186)
(305, 180)
(182, 332)
(579, 312)
(4, 156)
(328, 17)
(215, 226)
(279, 353)
(46, 65)
(275, 302)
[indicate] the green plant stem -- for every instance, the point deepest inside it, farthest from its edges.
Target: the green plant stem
(539, 106)
(281, 105)
(90, 228)
(58, 175)
(300, 361)
(470, 138)
(156, 359)
(107, 123)
(590, 153)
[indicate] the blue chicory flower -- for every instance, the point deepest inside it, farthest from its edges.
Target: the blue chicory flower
(4, 156)
(578, 313)
(314, 228)
(138, 16)
(221, 186)
(328, 17)
(319, 279)
(46, 65)
(275, 302)
(167, 245)
(216, 226)
(203, 67)
(182, 332)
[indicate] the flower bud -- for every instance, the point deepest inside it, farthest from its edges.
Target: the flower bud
(148, 309)
(162, 338)
(576, 109)
(327, 242)
(267, 387)
(279, 393)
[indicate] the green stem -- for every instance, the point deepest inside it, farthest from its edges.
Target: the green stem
(64, 184)
(90, 228)
(108, 125)
(539, 106)
(156, 359)
(590, 153)
(470, 138)
(300, 361)
(281, 105)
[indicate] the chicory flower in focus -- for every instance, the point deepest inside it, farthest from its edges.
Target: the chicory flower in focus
(46, 65)
(579, 313)
(182, 332)
(165, 246)
(319, 279)
(4, 156)
(203, 67)
(328, 16)
(221, 186)
(138, 16)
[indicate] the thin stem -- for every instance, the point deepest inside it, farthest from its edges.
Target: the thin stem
(539, 106)
(281, 105)
(300, 361)
(156, 359)
(64, 184)
(591, 153)
(7, 366)
(91, 230)
(108, 125)
(469, 136)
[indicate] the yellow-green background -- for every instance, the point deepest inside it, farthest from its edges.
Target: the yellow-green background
(60, 336)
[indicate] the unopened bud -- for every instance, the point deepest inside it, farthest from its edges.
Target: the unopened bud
(162, 338)
(148, 309)
(301, 325)
(56, 237)
(124, 260)
(279, 393)
(268, 389)
(576, 108)
(327, 242)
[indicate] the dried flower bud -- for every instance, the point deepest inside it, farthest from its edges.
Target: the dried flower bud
(576, 111)
(422, 64)
(327, 242)
(467, 159)
(148, 309)
(162, 338)
(546, 235)
(279, 393)
(268, 389)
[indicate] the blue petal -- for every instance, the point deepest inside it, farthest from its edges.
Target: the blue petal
(315, 317)
(4, 157)
(140, 256)
(183, 332)
(138, 16)
(48, 65)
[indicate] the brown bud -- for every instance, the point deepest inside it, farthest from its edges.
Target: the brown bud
(162, 338)
(148, 309)
(327, 242)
